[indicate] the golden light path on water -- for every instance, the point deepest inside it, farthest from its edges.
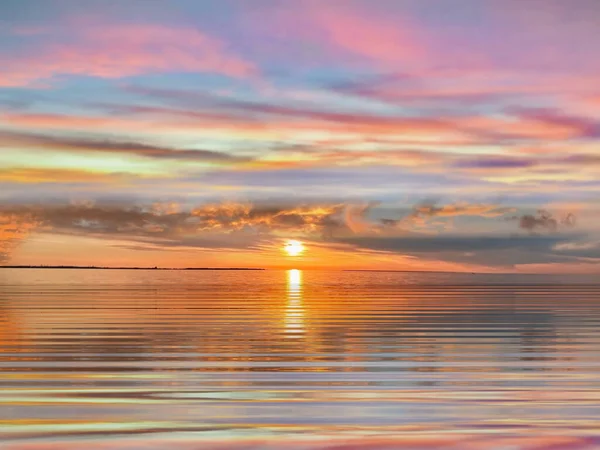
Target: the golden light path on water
(297, 359)
(294, 313)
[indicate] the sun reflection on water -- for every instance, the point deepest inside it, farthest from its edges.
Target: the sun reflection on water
(294, 312)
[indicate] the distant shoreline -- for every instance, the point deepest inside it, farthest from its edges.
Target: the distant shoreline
(128, 268)
(410, 271)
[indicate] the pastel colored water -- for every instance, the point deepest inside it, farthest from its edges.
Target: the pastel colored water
(144, 358)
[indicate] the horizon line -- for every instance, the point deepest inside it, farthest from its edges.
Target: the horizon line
(41, 266)
(69, 266)
(75, 267)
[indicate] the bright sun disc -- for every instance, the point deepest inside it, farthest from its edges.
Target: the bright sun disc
(293, 248)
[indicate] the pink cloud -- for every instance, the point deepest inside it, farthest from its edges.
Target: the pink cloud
(471, 86)
(348, 33)
(114, 51)
(386, 42)
(524, 124)
(167, 119)
(508, 54)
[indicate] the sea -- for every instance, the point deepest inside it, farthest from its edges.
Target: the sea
(289, 359)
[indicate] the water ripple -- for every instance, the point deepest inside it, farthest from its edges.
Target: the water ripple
(309, 358)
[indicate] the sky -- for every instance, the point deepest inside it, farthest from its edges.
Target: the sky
(382, 134)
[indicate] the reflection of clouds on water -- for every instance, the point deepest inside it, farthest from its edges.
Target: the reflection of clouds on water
(297, 350)
(294, 311)
(11, 324)
(438, 442)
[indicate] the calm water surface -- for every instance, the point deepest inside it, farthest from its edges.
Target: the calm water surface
(143, 357)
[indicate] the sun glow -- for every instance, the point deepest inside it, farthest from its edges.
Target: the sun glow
(294, 248)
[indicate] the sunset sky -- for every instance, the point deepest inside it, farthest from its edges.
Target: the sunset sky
(381, 134)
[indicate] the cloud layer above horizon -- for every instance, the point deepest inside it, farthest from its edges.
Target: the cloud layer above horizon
(388, 134)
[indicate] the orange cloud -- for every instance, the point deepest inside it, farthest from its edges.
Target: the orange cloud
(237, 216)
(43, 175)
(114, 51)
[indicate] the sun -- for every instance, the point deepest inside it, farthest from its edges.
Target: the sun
(293, 248)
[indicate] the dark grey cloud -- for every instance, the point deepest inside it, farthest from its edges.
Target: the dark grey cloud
(543, 221)
(494, 251)
(412, 243)
(586, 247)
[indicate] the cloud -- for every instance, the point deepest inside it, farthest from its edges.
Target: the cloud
(112, 50)
(202, 101)
(495, 162)
(84, 144)
(466, 88)
(209, 115)
(160, 119)
(161, 223)
(32, 175)
(543, 221)
(415, 244)
(251, 226)
(431, 90)
(169, 224)
(512, 126)
(459, 209)
(348, 34)
(236, 216)
(586, 247)
(320, 156)
(426, 214)
(384, 41)
(557, 123)
(491, 246)
(422, 441)
(355, 217)
(528, 165)
(497, 251)
(14, 229)
(232, 111)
